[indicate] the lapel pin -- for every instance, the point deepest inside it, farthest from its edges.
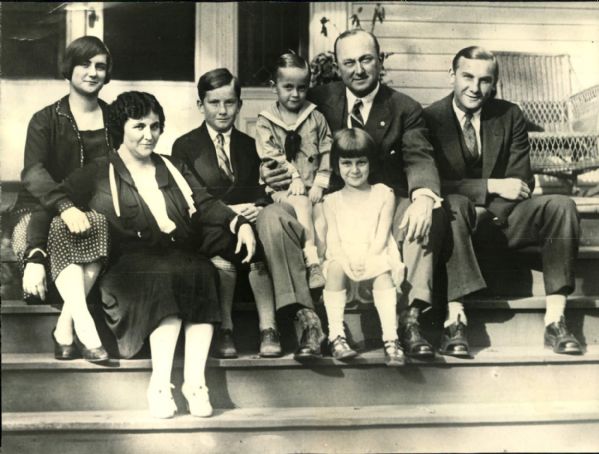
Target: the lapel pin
(382, 123)
(392, 152)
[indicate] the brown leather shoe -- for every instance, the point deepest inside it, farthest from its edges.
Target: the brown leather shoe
(312, 335)
(454, 341)
(224, 347)
(270, 344)
(415, 345)
(561, 340)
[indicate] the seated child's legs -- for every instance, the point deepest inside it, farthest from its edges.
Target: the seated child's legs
(334, 296)
(385, 301)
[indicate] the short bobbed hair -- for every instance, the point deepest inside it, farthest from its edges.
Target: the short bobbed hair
(354, 32)
(81, 51)
(476, 53)
(291, 60)
(353, 143)
(131, 105)
(217, 78)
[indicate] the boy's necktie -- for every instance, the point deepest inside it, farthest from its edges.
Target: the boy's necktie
(357, 121)
(223, 160)
(470, 138)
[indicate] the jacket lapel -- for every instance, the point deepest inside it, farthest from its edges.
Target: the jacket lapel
(380, 115)
(207, 158)
(336, 107)
(451, 137)
(492, 140)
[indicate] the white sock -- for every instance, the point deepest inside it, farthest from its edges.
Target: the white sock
(556, 304)
(334, 303)
(385, 302)
(455, 311)
(311, 255)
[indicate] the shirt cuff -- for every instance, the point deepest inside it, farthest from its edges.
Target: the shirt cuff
(36, 255)
(427, 193)
(63, 205)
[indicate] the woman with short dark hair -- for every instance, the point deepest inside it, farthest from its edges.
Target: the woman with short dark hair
(163, 226)
(62, 137)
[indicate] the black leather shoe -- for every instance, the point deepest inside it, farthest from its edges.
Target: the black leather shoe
(454, 341)
(394, 355)
(224, 346)
(415, 345)
(93, 355)
(270, 345)
(312, 335)
(65, 352)
(561, 340)
(341, 350)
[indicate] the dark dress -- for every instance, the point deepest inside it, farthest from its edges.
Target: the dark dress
(152, 275)
(39, 223)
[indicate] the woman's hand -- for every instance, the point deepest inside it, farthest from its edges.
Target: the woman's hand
(34, 280)
(245, 236)
(75, 220)
(296, 187)
(275, 175)
(315, 194)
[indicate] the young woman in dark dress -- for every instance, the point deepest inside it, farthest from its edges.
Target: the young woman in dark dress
(164, 226)
(53, 234)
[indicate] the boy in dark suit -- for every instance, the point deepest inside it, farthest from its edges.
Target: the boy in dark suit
(226, 162)
(483, 155)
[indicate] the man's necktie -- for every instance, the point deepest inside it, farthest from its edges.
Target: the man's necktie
(470, 138)
(357, 121)
(223, 160)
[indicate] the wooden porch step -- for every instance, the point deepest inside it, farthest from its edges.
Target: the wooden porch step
(40, 383)
(456, 427)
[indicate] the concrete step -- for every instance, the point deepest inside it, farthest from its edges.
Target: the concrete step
(552, 426)
(497, 321)
(40, 383)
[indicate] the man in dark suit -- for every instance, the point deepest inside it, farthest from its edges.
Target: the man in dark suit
(226, 162)
(405, 163)
(483, 155)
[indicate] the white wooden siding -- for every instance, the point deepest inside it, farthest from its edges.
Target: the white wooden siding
(424, 37)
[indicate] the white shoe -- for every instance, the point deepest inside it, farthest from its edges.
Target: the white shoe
(161, 402)
(198, 401)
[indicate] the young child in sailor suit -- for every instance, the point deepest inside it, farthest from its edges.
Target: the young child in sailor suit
(292, 132)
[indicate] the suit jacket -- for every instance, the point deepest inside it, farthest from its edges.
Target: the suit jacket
(505, 151)
(396, 124)
(197, 150)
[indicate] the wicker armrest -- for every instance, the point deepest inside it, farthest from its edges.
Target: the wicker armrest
(583, 110)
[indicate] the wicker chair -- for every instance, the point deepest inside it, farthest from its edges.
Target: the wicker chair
(563, 128)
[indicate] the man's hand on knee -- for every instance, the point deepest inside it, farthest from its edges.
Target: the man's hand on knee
(275, 175)
(417, 220)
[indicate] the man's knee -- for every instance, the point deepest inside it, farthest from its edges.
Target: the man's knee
(561, 205)
(460, 209)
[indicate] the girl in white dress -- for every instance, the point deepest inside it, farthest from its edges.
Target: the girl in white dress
(359, 244)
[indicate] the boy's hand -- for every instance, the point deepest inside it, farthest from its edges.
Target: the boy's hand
(315, 194)
(245, 237)
(297, 187)
(275, 175)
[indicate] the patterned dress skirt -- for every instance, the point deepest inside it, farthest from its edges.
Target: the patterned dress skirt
(142, 287)
(65, 248)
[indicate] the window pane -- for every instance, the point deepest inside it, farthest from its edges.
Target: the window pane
(33, 39)
(266, 30)
(151, 41)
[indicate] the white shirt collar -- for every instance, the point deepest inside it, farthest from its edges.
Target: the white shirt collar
(462, 115)
(213, 134)
(367, 102)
